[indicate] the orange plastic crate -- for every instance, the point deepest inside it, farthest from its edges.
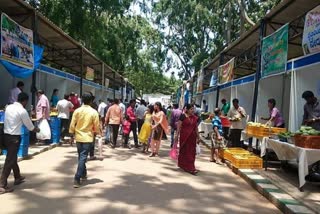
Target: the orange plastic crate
(247, 162)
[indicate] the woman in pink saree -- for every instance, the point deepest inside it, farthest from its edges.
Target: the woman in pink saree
(189, 137)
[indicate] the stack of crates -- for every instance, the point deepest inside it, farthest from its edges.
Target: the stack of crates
(55, 125)
(24, 143)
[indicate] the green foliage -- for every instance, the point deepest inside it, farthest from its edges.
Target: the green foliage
(166, 35)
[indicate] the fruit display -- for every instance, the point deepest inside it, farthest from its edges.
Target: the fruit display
(307, 130)
(286, 136)
(254, 124)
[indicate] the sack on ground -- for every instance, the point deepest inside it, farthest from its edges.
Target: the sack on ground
(198, 149)
(45, 131)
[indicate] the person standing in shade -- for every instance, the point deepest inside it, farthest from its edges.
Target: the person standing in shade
(123, 107)
(101, 108)
(43, 106)
(63, 108)
(13, 97)
(114, 119)
(140, 114)
(236, 115)
(54, 98)
(175, 115)
(84, 125)
(225, 107)
(204, 107)
(75, 102)
(275, 119)
(311, 116)
(15, 116)
(133, 121)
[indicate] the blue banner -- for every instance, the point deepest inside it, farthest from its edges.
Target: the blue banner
(214, 78)
(21, 72)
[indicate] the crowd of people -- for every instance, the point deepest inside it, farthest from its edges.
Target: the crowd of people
(82, 121)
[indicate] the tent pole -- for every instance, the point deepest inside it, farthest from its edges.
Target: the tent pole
(258, 74)
(114, 89)
(34, 74)
(221, 60)
(81, 71)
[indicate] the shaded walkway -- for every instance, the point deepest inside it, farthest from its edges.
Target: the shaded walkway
(127, 181)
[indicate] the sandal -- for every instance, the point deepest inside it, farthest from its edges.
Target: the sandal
(153, 155)
(4, 190)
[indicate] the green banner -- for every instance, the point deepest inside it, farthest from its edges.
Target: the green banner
(274, 52)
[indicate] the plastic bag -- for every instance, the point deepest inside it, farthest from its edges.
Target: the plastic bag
(198, 149)
(45, 131)
(174, 152)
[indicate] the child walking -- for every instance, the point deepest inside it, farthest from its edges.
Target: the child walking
(126, 131)
(146, 129)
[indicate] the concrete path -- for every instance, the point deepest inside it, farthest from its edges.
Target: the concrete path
(127, 181)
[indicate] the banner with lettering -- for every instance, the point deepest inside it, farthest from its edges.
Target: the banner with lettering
(90, 74)
(200, 82)
(274, 52)
(311, 32)
(214, 78)
(226, 72)
(16, 43)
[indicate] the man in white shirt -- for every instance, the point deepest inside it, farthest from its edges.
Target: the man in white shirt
(140, 114)
(63, 107)
(123, 107)
(15, 116)
(13, 97)
(236, 115)
(101, 107)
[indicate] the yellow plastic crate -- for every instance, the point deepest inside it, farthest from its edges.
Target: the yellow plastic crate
(227, 153)
(247, 162)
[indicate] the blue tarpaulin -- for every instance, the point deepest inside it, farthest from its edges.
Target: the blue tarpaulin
(21, 72)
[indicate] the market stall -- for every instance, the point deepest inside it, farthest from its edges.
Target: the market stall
(225, 93)
(243, 90)
(210, 95)
(305, 76)
(278, 88)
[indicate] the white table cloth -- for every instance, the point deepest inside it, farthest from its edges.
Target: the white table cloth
(285, 151)
(206, 128)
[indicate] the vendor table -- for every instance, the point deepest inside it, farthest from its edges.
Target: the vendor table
(206, 128)
(285, 151)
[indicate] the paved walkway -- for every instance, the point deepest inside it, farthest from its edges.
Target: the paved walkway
(127, 181)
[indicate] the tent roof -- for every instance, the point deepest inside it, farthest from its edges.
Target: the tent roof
(61, 50)
(284, 12)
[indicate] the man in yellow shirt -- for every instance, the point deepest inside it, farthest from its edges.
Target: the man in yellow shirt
(84, 124)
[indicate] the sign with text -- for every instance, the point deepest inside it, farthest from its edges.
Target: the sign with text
(311, 32)
(214, 78)
(274, 52)
(200, 82)
(90, 74)
(16, 43)
(226, 72)
(106, 82)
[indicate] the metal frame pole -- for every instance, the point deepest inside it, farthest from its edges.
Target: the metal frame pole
(81, 71)
(34, 74)
(221, 61)
(258, 70)
(114, 88)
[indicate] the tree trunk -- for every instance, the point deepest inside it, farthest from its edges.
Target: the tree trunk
(229, 23)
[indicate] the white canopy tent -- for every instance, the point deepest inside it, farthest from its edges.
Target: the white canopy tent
(243, 90)
(278, 88)
(225, 92)
(305, 76)
(210, 95)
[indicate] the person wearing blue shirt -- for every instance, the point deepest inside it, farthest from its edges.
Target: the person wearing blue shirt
(217, 140)
(54, 98)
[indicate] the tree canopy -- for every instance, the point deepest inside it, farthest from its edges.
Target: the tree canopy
(144, 40)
